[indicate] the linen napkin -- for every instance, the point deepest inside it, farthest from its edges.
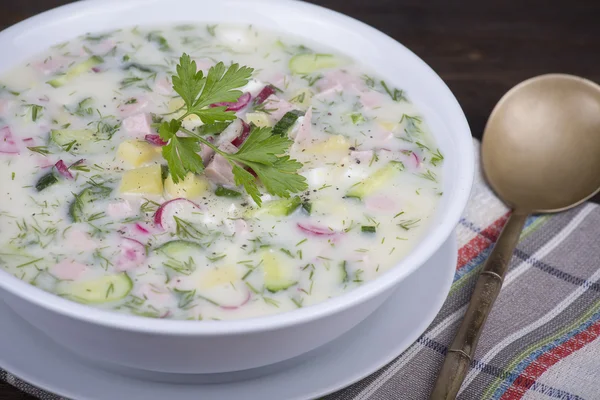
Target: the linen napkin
(542, 339)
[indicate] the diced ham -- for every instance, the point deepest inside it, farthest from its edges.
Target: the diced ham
(278, 79)
(380, 203)
(362, 156)
(163, 86)
(5, 106)
(105, 46)
(372, 99)
(68, 270)
(304, 130)
(80, 240)
(237, 227)
(135, 107)
(138, 125)
(280, 107)
(43, 162)
(337, 81)
(204, 64)
(219, 170)
(133, 253)
(50, 65)
(120, 209)
(206, 152)
(8, 144)
(230, 133)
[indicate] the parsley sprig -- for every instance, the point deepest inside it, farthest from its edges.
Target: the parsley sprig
(262, 152)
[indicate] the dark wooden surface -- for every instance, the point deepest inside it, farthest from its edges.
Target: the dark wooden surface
(480, 48)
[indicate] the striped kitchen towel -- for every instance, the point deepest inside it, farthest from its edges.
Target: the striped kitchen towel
(542, 339)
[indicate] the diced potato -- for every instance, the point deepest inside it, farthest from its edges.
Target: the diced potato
(333, 144)
(258, 118)
(219, 277)
(145, 180)
(192, 186)
(175, 105)
(136, 152)
(388, 126)
(302, 98)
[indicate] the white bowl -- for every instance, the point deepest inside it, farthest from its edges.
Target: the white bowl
(118, 340)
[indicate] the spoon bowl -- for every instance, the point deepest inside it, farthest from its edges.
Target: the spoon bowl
(540, 153)
(541, 147)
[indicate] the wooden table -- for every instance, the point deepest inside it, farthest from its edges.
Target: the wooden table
(480, 48)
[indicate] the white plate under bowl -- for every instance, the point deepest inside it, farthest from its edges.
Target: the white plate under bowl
(33, 357)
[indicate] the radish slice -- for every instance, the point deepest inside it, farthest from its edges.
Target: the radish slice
(238, 141)
(246, 300)
(155, 140)
(416, 158)
(264, 94)
(235, 105)
(141, 229)
(133, 253)
(96, 69)
(316, 230)
(63, 170)
(7, 142)
(163, 218)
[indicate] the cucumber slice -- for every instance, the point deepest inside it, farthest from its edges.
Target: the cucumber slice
(278, 208)
(96, 291)
(81, 207)
(179, 249)
(285, 123)
(277, 276)
(307, 63)
(368, 229)
(224, 192)
(75, 70)
(378, 179)
(76, 141)
(46, 180)
(307, 206)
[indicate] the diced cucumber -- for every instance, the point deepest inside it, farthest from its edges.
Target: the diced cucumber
(368, 229)
(46, 180)
(307, 206)
(307, 63)
(276, 273)
(224, 192)
(259, 119)
(344, 271)
(278, 208)
(179, 249)
(378, 179)
(81, 207)
(357, 118)
(283, 126)
(75, 70)
(78, 141)
(95, 291)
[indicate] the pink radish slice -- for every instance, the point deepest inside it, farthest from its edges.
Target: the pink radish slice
(141, 229)
(155, 140)
(238, 141)
(246, 300)
(63, 170)
(133, 253)
(316, 230)
(163, 217)
(416, 158)
(96, 69)
(7, 142)
(235, 105)
(264, 94)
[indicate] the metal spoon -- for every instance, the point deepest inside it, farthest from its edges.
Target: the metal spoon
(541, 154)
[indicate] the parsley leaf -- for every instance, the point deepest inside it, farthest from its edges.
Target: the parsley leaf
(200, 92)
(188, 82)
(262, 153)
(180, 152)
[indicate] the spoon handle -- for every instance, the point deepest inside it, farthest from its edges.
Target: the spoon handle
(488, 286)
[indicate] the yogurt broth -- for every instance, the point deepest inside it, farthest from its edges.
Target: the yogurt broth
(90, 212)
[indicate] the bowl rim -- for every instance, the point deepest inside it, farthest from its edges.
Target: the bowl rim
(427, 245)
